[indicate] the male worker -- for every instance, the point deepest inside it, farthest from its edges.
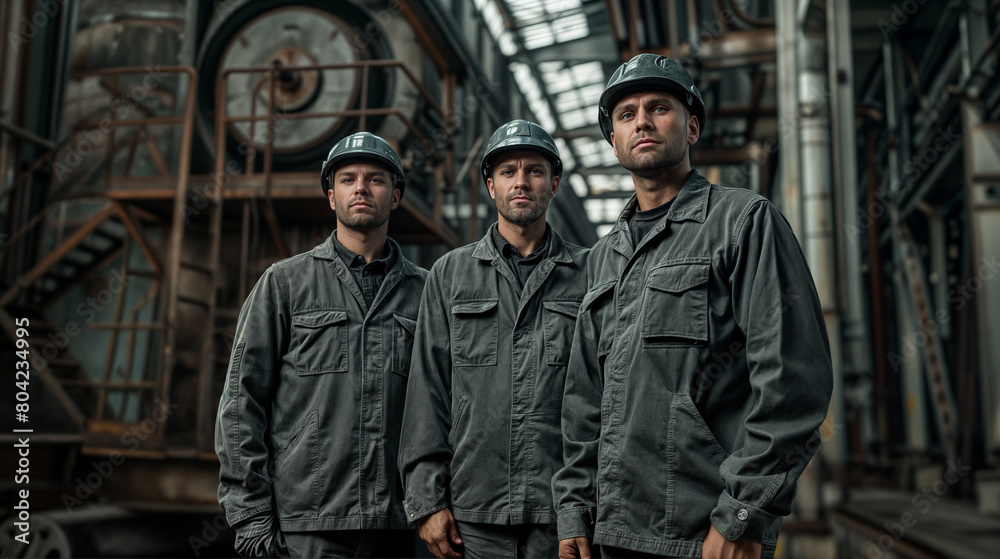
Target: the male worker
(700, 369)
(308, 425)
(481, 435)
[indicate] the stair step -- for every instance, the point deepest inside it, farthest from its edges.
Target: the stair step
(107, 234)
(193, 301)
(198, 268)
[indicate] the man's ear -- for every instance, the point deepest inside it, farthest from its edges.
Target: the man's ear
(397, 195)
(333, 204)
(555, 186)
(613, 146)
(694, 130)
(489, 186)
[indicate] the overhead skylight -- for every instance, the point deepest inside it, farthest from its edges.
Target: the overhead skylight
(566, 155)
(579, 185)
(612, 183)
(533, 94)
(576, 89)
(494, 22)
(594, 153)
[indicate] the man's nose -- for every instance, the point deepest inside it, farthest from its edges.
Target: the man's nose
(521, 179)
(642, 120)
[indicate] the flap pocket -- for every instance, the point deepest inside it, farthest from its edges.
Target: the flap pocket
(678, 278)
(406, 322)
(318, 319)
(675, 310)
(402, 343)
(319, 341)
(596, 293)
(568, 308)
(473, 307)
(474, 333)
(558, 322)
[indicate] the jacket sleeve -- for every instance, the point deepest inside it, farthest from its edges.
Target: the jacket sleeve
(574, 486)
(788, 357)
(244, 410)
(424, 450)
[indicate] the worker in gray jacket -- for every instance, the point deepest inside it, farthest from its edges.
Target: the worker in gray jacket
(308, 424)
(700, 369)
(481, 436)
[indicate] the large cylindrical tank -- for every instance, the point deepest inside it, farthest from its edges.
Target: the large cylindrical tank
(277, 33)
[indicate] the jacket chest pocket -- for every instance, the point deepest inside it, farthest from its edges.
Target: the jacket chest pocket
(319, 342)
(559, 319)
(675, 311)
(403, 328)
(474, 333)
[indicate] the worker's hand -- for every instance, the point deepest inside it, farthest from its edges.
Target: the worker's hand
(716, 546)
(439, 531)
(259, 536)
(574, 548)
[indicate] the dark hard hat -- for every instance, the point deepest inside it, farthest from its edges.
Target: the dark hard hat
(520, 135)
(362, 147)
(649, 72)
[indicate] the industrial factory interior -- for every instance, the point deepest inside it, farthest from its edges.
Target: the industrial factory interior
(159, 155)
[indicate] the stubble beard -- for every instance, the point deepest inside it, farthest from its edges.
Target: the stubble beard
(363, 221)
(523, 217)
(652, 165)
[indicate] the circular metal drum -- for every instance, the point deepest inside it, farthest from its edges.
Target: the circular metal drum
(284, 36)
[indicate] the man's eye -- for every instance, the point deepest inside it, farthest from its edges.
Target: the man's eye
(624, 116)
(661, 109)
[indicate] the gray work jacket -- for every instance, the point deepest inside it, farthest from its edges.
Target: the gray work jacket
(699, 376)
(481, 430)
(308, 424)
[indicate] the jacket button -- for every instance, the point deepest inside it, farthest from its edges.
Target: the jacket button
(743, 514)
(412, 515)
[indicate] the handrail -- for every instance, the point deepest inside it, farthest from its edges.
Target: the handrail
(223, 119)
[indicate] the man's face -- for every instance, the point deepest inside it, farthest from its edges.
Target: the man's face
(522, 186)
(652, 131)
(362, 196)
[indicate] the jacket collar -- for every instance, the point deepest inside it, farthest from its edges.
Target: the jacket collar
(485, 249)
(328, 251)
(691, 204)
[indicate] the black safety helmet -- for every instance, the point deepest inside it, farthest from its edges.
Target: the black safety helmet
(645, 72)
(363, 147)
(520, 135)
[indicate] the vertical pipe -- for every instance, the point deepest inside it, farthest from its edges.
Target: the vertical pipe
(983, 210)
(788, 131)
(876, 291)
(855, 329)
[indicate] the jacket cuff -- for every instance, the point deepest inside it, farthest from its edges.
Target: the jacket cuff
(737, 520)
(575, 523)
(239, 517)
(414, 511)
